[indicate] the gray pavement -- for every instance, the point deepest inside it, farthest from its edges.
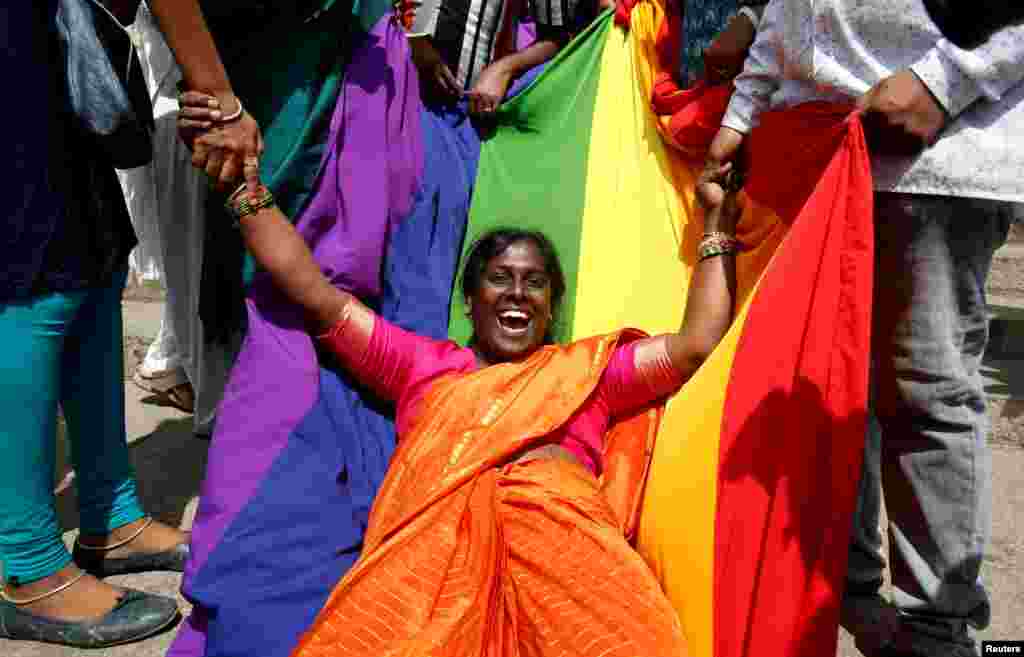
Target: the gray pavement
(170, 462)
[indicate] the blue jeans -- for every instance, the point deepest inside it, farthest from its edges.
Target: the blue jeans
(926, 447)
(61, 348)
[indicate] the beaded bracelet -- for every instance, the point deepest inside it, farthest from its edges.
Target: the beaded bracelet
(716, 244)
(711, 251)
(721, 239)
(241, 205)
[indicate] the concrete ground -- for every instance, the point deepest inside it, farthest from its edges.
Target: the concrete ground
(170, 462)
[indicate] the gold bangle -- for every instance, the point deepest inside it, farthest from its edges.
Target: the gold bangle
(234, 195)
(234, 115)
(719, 239)
(720, 235)
(182, 88)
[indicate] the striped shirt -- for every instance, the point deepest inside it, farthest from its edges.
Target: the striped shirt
(470, 34)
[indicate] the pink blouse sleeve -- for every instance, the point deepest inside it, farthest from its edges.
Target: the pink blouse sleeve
(639, 373)
(384, 357)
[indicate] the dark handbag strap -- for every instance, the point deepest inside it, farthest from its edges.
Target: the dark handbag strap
(124, 11)
(110, 101)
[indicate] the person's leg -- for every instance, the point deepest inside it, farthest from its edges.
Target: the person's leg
(33, 337)
(139, 189)
(92, 395)
(33, 557)
(930, 332)
(866, 563)
(182, 201)
(163, 370)
(163, 354)
(571, 582)
(865, 614)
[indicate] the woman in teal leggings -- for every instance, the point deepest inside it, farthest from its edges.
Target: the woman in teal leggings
(65, 348)
(63, 257)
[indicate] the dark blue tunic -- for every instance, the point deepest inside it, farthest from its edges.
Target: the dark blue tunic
(67, 222)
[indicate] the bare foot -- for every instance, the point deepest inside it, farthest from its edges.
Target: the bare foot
(157, 537)
(86, 599)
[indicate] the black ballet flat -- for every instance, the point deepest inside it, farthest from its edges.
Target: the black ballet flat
(136, 615)
(96, 564)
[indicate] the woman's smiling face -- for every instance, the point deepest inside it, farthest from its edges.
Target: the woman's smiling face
(511, 307)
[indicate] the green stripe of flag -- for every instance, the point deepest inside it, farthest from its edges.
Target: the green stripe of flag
(532, 170)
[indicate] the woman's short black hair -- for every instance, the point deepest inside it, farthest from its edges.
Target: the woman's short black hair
(494, 243)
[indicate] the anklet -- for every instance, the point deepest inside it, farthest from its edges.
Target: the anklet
(27, 601)
(105, 548)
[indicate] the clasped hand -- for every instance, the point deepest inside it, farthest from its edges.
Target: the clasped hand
(227, 151)
(490, 89)
(487, 93)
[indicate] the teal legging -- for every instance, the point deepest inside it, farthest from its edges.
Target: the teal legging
(61, 348)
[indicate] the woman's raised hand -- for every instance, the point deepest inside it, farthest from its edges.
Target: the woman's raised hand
(227, 150)
(717, 188)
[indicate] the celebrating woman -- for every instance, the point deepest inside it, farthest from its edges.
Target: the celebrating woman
(504, 517)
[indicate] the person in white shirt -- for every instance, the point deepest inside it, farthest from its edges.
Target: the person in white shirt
(945, 127)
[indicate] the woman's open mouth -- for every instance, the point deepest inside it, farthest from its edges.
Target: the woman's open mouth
(514, 322)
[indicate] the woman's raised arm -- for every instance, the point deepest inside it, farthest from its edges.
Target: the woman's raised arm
(281, 252)
(709, 305)
(377, 353)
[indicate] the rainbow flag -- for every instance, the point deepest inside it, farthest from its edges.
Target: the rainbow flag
(747, 510)
(748, 506)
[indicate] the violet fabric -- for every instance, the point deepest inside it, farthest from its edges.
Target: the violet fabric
(267, 545)
(299, 450)
(372, 166)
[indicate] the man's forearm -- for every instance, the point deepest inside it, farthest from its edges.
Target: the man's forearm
(533, 55)
(184, 27)
(762, 73)
(958, 78)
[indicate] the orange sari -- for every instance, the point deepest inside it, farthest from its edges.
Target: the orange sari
(469, 555)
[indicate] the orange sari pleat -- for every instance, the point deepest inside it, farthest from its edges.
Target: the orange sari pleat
(468, 557)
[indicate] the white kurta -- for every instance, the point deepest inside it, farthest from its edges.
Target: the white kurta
(167, 199)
